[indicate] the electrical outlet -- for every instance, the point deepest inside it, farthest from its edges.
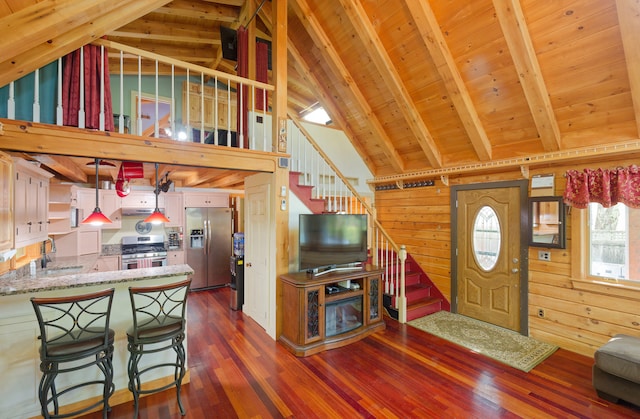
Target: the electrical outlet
(541, 313)
(542, 255)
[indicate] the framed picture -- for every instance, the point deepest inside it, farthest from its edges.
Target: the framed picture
(547, 221)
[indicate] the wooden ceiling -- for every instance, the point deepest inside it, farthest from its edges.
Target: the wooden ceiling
(416, 85)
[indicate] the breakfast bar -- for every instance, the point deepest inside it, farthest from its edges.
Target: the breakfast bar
(19, 359)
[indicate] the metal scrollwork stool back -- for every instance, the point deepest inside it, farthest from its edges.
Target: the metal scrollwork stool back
(74, 334)
(159, 324)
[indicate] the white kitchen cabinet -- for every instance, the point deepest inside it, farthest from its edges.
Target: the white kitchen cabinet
(206, 199)
(62, 198)
(175, 257)
(174, 209)
(6, 202)
(110, 204)
(31, 203)
(142, 199)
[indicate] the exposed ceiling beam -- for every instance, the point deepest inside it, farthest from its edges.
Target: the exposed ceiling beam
(434, 41)
(629, 20)
(317, 33)
(75, 142)
(63, 165)
(197, 10)
(54, 40)
(158, 31)
(384, 64)
(516, 33)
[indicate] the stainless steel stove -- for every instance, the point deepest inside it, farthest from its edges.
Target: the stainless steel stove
(143, 251)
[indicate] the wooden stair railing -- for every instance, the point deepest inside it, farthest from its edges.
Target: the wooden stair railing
(310, 167)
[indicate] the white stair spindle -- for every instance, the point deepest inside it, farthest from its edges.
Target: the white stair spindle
(229, 117)
(139, 104)
(101, 122)
(121, 113)
(36, 96)
(201, 108)
(11, 102)
(156, 130)
(81, 114)
(215, 112)
(188, 127)
(172, 121)
(59, 110)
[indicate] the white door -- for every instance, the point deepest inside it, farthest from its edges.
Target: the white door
(257, 245)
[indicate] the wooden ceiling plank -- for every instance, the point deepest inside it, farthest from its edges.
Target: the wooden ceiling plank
(34, 25)
(301, 66)
(160, 31)
(362, 25)
(197, 10)
(514, 28)
(317, 33)
(21, 62)
(629, 21)
(431, 36)
(63, 165)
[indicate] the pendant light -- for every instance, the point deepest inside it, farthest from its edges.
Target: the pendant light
(156, 217)
(97, 218)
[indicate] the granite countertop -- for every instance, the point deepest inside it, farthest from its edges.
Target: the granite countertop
(78, 272)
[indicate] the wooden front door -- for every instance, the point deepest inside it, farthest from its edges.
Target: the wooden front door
(488, 262)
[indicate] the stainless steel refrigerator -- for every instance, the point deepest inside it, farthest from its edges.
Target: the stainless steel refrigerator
(209, 245)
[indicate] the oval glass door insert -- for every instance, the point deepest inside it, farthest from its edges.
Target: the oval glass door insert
(486, 238)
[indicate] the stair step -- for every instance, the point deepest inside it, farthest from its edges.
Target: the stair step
(423, 307)
(415, 292)
(411, 278)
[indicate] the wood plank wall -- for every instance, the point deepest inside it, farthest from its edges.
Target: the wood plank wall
(578, 315)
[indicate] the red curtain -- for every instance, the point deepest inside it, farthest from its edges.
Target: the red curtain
(71, 88)
(243, 71)
(262, 75)
(603, 186)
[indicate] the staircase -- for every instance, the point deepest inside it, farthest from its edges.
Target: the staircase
(305, 194)
(423, 298)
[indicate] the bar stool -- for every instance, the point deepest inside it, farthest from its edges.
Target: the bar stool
(74, 334)
(159, 324)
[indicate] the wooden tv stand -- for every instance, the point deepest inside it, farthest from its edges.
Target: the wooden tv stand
(316, 320)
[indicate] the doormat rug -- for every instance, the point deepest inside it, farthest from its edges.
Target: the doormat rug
(501, 344)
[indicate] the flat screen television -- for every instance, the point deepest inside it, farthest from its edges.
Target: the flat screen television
(332, 240)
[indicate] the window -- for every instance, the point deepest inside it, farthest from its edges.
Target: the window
(486, 238)
(614, 242)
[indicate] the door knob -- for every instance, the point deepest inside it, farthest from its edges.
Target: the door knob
(514, 270)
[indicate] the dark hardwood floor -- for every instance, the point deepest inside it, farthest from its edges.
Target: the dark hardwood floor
(238, 371)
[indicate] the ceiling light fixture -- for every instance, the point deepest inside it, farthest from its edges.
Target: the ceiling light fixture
(156, 216)
(97, 218)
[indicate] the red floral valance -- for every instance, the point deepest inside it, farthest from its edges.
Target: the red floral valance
(604, 186)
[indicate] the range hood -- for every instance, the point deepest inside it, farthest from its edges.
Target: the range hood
(132, 212)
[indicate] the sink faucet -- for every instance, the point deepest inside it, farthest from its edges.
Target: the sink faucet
(45, 258)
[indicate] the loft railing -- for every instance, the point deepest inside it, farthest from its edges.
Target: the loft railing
(202, 103)
(316, 169)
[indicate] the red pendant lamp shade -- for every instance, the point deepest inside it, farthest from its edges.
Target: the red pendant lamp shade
(156, 217)
(97, 218)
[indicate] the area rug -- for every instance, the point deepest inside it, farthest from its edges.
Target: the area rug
(501, 344)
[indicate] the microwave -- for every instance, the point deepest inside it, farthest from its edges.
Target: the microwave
(75, 217)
